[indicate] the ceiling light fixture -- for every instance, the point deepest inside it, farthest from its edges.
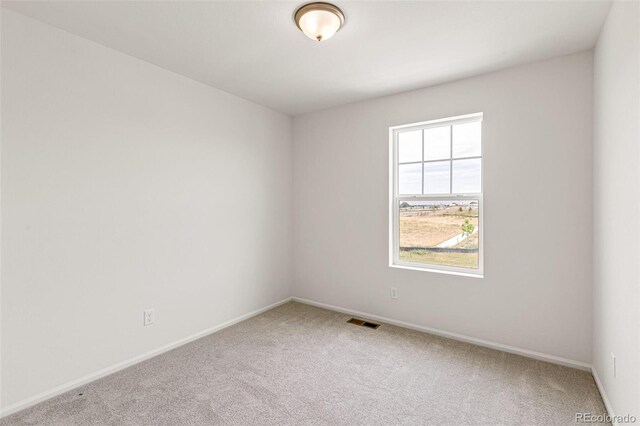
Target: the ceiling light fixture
(319, 21)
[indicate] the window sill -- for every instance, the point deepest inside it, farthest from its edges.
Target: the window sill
(437, 271)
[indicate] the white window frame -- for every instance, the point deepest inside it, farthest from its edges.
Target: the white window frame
(395, 199)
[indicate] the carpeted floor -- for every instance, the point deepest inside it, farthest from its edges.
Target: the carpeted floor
(301, 365)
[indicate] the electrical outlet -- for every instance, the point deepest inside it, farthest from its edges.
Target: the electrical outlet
(149, 316)
(394, 292)
(613, 364)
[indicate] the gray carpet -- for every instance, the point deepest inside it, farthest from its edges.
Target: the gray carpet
(297, 364)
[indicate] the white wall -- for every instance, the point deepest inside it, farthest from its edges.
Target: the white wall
(616, 325)
(536, 293)
(127, 187)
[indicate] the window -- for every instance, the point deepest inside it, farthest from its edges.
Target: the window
(436, 195)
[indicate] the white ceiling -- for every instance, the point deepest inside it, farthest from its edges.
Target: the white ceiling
(254, 50)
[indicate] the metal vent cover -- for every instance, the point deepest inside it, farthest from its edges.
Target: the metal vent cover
(363, 323)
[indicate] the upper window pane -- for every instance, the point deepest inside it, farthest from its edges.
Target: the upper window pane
(410, 146)
(437, 143)
(467, 176)
(466, 140)
(410, 179)
(436, 177)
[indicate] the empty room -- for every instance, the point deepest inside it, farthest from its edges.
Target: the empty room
(310, 213)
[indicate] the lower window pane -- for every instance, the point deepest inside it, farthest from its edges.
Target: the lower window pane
(442, 233)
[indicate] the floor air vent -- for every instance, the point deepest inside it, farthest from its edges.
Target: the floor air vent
(363, 323)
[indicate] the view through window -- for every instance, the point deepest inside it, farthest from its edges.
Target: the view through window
(437, 195)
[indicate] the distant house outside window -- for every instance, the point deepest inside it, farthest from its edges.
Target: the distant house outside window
(436, 195)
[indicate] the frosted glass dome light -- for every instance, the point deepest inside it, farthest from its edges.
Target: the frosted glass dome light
(319, 21)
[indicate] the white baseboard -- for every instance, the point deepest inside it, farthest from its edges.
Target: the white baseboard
(455, 336)
(28, 402)
(603, 394)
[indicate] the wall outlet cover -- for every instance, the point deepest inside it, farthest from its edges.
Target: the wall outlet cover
(149, 316)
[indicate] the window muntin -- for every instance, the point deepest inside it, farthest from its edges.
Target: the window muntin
(436, 200)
